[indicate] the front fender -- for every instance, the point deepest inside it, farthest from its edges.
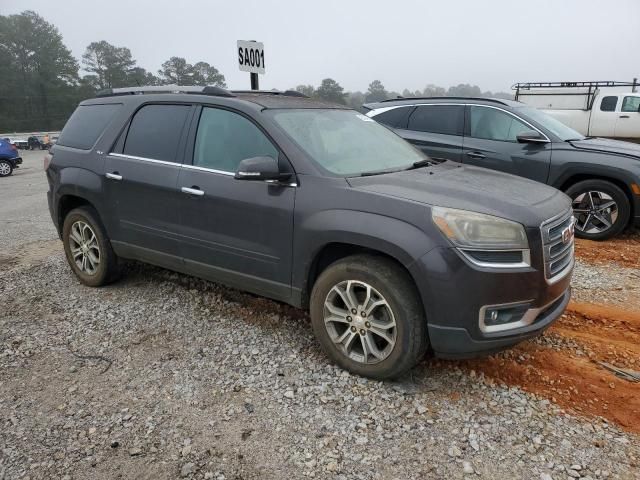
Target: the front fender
(398, 239)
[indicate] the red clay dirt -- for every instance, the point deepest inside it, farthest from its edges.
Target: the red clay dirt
(564, 369)
(623, 250)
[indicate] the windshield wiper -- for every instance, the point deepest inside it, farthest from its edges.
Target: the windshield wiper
(425, 162)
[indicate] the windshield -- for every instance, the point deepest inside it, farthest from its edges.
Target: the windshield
(556, 127)
(345, 142)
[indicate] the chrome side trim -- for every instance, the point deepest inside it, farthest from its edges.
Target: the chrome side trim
(526, 259)
(144, 159)
(212, 170)
(528, 318)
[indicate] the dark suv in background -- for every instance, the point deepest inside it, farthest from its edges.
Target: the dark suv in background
(318, 206)
(601, 176)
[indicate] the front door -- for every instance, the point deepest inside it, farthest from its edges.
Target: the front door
(239, 232)
(604, 115)
(628, 123)
(142, 185)
(490, 142)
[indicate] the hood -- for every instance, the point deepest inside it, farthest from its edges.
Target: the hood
(465, 187)
(606, 145)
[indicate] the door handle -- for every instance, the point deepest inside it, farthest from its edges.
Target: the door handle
(624, 116)
(114, 176)
(475, 155)
(193, 191)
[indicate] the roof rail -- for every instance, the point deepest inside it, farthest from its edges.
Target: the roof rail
(484, 99)
(286, 93)
(197, 90)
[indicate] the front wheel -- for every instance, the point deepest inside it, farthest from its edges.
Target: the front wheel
(601, 209)
(368, 318)
(5, 168)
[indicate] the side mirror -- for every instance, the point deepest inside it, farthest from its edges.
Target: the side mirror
(531, 136)
(260, 168)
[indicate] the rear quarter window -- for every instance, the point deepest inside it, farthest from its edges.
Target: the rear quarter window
(395, 118)
(86, 124)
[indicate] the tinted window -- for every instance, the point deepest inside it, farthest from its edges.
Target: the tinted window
(631, 104)
(447, 119)
(494, 124)
(225, 138)
(155, 132)
(609, 104)
(395, 118)
(86, 124)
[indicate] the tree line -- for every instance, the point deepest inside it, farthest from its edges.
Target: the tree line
(41, 82)
(331, 91)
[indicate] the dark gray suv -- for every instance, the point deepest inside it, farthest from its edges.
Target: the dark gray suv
(601, 176)
(318, 206)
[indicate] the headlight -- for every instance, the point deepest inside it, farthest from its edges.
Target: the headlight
(479, 231)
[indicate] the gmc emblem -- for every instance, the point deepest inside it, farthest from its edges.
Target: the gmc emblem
(567, 234)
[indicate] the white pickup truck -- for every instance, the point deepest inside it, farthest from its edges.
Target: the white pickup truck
(595, 109)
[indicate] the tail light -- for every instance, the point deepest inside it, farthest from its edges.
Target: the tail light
(13, 147)
(47, 160)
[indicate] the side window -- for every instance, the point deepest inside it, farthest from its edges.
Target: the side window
(494, 124)
(631, 104)
(86, 124)
(608, 104)
(445, 119)
(394, 118)
(155, 132)
(225, 138)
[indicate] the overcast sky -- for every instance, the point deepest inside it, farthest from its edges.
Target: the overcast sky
(403, 43)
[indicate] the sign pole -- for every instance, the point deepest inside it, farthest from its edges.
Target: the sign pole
(254, 81)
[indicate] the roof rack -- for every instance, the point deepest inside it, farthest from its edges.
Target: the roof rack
(286, 93)
(591, 86)
(197, 90)
(484, 99)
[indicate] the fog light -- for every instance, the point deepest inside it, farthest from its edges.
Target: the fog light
(494, 316)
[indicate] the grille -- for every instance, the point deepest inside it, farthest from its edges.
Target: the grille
(557, 254)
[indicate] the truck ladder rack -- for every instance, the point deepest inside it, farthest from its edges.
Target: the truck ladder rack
(592, 87)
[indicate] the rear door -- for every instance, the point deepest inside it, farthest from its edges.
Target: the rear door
(628, 123)
(436, 130)
(141, 185)
(490, 142)
(604, 116)
(238, 232)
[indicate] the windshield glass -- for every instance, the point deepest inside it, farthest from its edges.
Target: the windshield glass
(554, 126)
(346, 142)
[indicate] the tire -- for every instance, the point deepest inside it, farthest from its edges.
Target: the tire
(97, 246)
(6, 168)
(388, 281)
(587, 197)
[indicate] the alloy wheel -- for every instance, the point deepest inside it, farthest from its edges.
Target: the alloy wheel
(360, 322)
(84, 247)
(5, 168)
(595, 212)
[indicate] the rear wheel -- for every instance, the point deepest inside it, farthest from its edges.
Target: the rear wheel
(88, 249)
(367, 316)
(5, 168)
(601, 209)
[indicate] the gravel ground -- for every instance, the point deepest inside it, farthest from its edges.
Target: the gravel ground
(165, 376)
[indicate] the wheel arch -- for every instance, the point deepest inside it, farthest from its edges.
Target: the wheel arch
(579, 177)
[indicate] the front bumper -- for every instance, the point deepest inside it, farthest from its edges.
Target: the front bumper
(454, 292)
